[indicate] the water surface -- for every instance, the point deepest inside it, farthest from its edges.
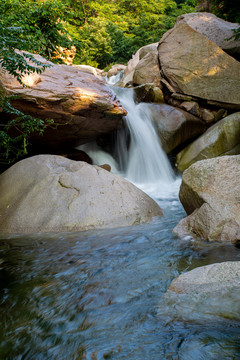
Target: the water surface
(96, 295)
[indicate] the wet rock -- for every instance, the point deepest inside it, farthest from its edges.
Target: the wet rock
(209, 194)
(148, 93)
(195, 66)
(79, 102)
(115, 69)
(174, 126)
(206, 292)
(220, 139)
(48, 193)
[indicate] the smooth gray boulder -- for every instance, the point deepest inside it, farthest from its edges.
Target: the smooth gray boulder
(48, 193)
(210, 193)
(206, 292)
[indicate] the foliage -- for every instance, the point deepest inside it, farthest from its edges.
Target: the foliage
(15, 127)
(39, 23)
(14, 136)
(111, 31)
(228, 10)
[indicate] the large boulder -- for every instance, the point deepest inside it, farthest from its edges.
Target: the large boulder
(174, 126)
(220, 139)
(80, 103)
(215, 29)
(48, 193)
(209, 194)
(147, 70)
(194, 65)
(133, 62)
(206, 292)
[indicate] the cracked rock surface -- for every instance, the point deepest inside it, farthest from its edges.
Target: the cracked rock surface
(49, 193)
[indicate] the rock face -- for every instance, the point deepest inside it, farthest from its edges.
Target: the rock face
(215, 29)
(207, 291)
(210, 196)
(223, 138)
(51, 193)
(148, 93)
(132, 64)
(174, 126)
(79, 102)
(147, 70)
(194, 65)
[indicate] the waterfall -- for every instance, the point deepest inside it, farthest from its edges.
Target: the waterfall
(143, 162)
(139, 155)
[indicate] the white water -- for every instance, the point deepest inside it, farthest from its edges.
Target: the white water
(113, 80)
(142, 161)
(99, 157)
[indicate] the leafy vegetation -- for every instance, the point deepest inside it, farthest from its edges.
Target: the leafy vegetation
(228, 10)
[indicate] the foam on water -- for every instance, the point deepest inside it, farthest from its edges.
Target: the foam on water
(140, 157)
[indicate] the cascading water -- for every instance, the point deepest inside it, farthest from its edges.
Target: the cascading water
(140, 157)
(144, 162)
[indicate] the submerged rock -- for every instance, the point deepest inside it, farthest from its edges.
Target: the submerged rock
(206, 292)
(76, 98)
(195, 66)
(223, 138)
(48, 193)
(209, 194)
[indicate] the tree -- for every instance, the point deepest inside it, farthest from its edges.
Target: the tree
(31, 26)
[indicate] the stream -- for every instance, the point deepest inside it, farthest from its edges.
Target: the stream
(96, 295)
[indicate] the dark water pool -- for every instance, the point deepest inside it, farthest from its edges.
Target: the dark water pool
(95, 295)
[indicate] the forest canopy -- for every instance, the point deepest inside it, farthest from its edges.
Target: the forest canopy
(103, 31)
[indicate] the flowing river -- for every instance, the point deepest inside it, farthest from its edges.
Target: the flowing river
(99, 294)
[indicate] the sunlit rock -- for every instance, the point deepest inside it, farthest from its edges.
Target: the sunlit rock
(215, 29)
(207, 292)
(209, 194)
(79, 102)
(195, 66)
(220, 139)
(48, 193)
